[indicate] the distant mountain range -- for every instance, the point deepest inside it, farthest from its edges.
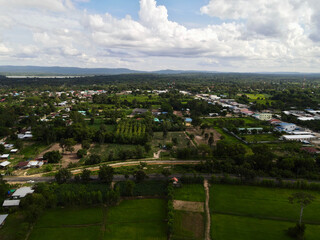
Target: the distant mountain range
(68, 71)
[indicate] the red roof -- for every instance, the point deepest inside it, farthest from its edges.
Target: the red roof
(22, 164)
(310, 149)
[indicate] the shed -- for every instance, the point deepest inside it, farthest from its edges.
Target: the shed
(22, 192)
(5, 156)
(3, 218)
(5, 163)
(11, 203)
(188, 120)
(14, 150)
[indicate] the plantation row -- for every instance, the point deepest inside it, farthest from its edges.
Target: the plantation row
(130, 131)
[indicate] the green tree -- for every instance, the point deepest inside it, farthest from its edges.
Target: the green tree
(129, 188)
(303, 199)
(63, 175)
(140, 175)
(52, 157)
(81, 153)
(106, 174)
(85, 175)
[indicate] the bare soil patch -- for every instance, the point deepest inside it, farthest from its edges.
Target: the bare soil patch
(188, 206)
(66, 157)
(194, 223)
(200, 139)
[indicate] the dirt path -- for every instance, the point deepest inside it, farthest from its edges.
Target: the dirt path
(156, 155)
(190, 139)
(207, 211)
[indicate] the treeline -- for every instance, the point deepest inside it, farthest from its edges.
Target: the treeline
(131, 131)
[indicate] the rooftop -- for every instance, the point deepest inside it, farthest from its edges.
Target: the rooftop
(10, 203)
(22, 192)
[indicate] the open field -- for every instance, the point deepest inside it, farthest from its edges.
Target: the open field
(200, 139)
(158, 138)
(190, 192)
(131, 219)
(189, 218)
(14, 228)
(137, 219)
(234, 208)
(259, 137)
(188, 225)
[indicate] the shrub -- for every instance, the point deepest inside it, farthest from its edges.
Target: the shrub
(81, 153)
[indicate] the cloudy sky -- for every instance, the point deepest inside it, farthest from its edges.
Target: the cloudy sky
(216, 35)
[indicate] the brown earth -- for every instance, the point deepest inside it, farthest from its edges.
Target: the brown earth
(66, 157)
(194, 223)
(200, 139)
(188, 206)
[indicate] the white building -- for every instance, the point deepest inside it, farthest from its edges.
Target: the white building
(11, 203)
(22, 192)
(298, 137)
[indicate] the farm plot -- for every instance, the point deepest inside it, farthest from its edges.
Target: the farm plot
(189, 217)
(158, 139)
(137, 219)
(234, 208)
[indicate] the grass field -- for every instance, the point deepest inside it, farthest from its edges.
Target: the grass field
(190, 192)
(14, 228)
(131, 219)
(260, 137)
(234, 208)
(104, 149)
(137, 219)
(158, 138)
(188, 225)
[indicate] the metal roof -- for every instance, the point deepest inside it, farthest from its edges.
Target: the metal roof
(3, 217)
(11, 203)
(22, 192)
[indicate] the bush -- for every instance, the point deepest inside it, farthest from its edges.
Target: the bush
(52, 157)
(81, 153)
(297, 232)
(93, 159)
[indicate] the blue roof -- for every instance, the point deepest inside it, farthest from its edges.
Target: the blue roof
(188, 119)
(285, 124)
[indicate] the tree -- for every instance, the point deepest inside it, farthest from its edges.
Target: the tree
(210, 140)
(63, 175)
(52, 157)
(106, 174)
(129, 188)
(166, 172)
(140, 175)
(69, 144)
(81, 153)
(85, 175)
(93, 159)
(303, 199)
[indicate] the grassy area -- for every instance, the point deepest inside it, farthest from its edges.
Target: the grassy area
(104, 149)
(14, 228)
(260, 202)
(260, 137)
(146, 188)
(158, 138)
(188, 225)
(71, 216)
(131, 219)
(31, 150)
(137, 219)
(234, 208)
(190, 192)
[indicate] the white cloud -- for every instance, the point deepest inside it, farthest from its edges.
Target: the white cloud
(255, 35)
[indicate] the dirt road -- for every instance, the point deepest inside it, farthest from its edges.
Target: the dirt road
(207, 211)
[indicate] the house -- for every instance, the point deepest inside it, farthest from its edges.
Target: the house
(22, 192)
(3, 218)
(138, 111)
(4, 164)
(22, 165)
(285, 127)
(5, 156)
(265, 116)
(14, 150)
(11, 203)
(310, 150)
(298, 137)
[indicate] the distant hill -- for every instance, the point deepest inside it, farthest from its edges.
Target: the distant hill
(35, 70)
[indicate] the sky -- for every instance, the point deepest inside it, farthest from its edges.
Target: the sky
(208, 35)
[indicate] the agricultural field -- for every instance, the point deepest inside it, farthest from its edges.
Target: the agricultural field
(130, 131)
(233, 208)
(189, 219)
(159, 139)
(131, 219)
(259, 137)
(190, 192)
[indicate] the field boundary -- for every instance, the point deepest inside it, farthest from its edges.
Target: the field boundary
(207, 211)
